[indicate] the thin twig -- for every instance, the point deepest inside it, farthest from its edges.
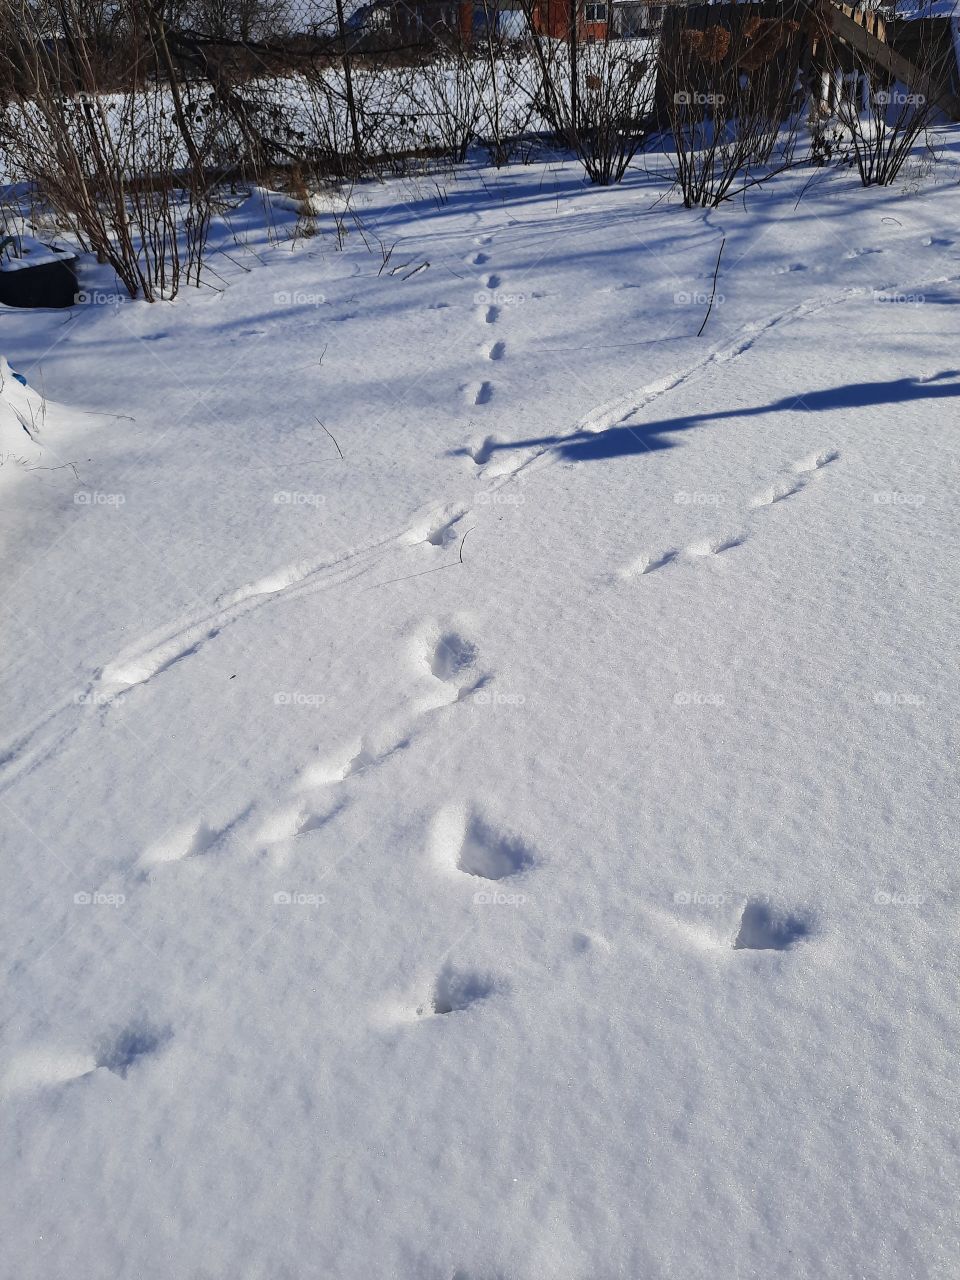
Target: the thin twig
(65, 466)
(332, 437)
(463, 540)
(452, 564)
(803, 189)
(713, 292)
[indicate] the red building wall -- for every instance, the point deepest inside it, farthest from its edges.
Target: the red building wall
(552, 18)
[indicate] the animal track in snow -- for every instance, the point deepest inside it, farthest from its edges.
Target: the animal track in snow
(481, 454)
(649, 562)
(815, 461)
(294, 820)
(787, 486)
(139, 670)
(491, 315)
(156, 654)
(450, 659)
(45, 1068)
(584, 943)
(479, 259)
(714, 546)
(439, 529)
(297, 817)
(777, 492)
(782, 488)
(497, 351)
(493, 281)
(616, 412)
(190, 840)
(461, 838)
(451, 656)
(478, 392)
(767, 928)
(455, 990)
(122, 1050)
(368, 752)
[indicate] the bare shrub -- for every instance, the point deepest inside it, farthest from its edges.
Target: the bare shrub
(731, 98)
(882, 100)
(596, 96)
(105, 163)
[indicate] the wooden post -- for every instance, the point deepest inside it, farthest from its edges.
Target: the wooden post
(348, 83)
(574, 85)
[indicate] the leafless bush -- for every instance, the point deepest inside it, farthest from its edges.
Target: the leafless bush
(883, 110)
(446, 88)
(501, 65)
(245, 21)
(731, 99)
(597, 96)
(105, 163)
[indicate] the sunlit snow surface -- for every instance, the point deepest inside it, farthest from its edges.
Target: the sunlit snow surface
(524, 847)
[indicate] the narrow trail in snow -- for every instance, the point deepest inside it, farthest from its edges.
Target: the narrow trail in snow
(157, 653)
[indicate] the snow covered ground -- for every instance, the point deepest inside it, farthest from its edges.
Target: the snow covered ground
(524, 846)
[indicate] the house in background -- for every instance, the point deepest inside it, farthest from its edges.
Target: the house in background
(420, 21)
(553, 18)
(411, 22)
(618, 19)
(632, 18)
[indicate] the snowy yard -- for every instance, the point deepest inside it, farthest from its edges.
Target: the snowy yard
(524, 846)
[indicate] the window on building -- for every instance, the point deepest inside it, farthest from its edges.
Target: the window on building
(595, 12)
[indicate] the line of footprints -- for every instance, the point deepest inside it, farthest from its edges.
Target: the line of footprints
(462, 841)
(451, 661)
(784, 487)
(488, 309)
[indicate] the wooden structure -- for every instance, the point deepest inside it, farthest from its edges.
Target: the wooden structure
(554, 18)
(825, 42)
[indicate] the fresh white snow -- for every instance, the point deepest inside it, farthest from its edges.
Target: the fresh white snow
(523, 847)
